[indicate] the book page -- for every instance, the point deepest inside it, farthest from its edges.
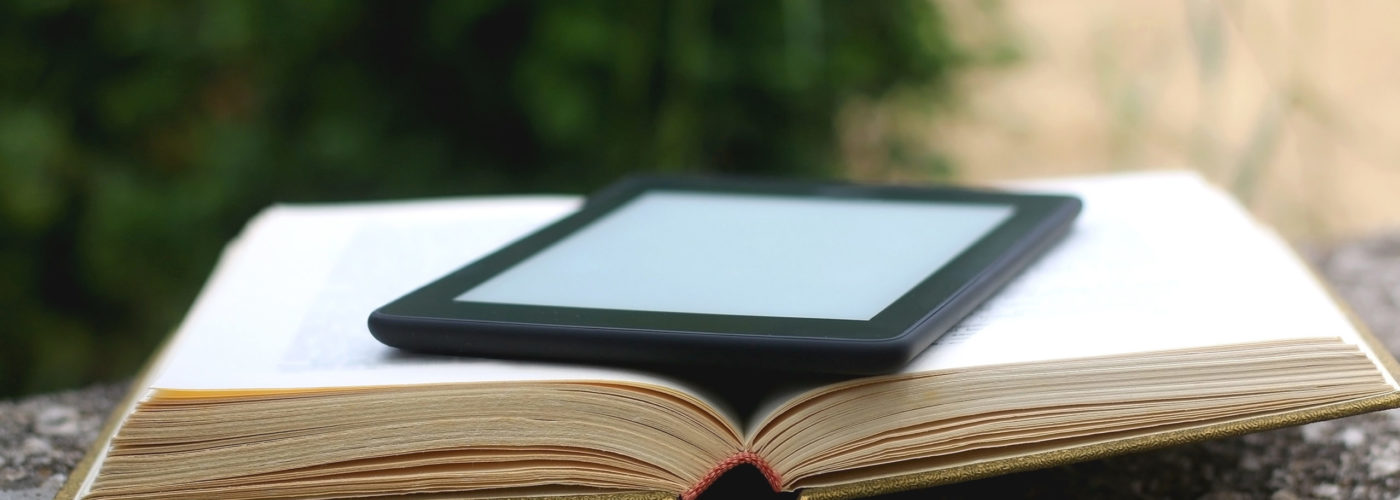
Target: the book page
(287, 306)
(1156, 261)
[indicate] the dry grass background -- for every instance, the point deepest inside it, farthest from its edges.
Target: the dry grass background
(1293, 105)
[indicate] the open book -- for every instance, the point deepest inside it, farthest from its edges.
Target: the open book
(1167, 315)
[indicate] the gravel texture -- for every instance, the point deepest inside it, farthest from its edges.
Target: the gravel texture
(42, 437)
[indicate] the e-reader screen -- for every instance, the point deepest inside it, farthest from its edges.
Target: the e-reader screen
(746, 255)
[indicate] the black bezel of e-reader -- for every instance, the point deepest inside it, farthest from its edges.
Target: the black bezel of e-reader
(430, 320)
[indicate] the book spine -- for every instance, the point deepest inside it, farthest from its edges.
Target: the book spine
(743, 457)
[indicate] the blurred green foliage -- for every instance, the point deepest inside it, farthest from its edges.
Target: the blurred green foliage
(137, 137)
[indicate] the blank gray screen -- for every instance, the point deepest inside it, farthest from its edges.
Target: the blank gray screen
(754, 255)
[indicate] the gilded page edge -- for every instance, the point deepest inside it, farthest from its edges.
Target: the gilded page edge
(73, 485)
(1065, 456)
(1153, 441)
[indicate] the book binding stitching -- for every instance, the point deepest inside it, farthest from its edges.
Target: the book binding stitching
(743, 457)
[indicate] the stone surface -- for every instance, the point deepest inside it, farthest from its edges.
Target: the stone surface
(43, 437)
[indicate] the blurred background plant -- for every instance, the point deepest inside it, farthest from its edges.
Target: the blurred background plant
(136, 138)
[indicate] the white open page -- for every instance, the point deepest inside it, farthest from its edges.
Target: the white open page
(287, 305)
(1156, 261)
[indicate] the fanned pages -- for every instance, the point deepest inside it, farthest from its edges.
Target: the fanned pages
(1166, 315)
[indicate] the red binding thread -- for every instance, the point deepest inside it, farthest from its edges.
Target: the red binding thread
(743, 457)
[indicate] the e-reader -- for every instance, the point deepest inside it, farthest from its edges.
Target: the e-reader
(729, 273)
